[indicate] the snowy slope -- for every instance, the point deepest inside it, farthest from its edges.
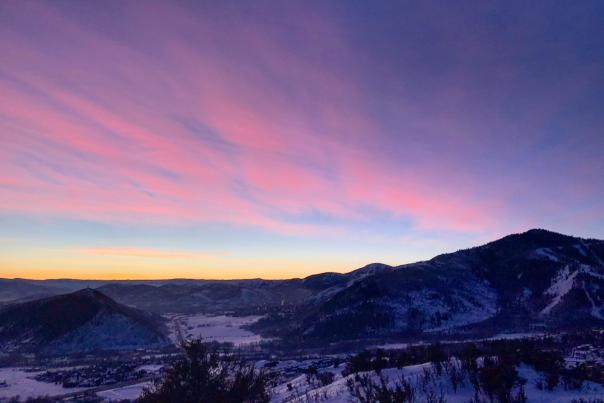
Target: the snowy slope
(424, 380)
(536, 278)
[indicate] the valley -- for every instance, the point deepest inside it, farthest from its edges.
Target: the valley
(107, 341)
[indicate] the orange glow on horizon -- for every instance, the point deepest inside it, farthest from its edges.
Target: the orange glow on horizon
(147, 264)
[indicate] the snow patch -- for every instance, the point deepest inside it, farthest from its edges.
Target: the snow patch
(22, 383)
(596, 311)
(220, 328)
(130, 392)
(561, 285)
(546, 253)
(580, 248)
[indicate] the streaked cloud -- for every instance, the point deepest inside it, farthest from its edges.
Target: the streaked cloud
(137, 252)
(305, 121)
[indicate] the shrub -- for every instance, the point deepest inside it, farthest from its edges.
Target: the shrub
(365, 389)
(204, 375)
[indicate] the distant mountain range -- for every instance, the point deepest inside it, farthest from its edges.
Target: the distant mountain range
(534, 280)
(82, 321)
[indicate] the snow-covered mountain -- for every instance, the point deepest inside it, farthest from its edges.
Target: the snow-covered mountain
(82, 321)
(537, 279)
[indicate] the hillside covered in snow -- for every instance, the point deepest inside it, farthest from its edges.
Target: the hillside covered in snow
(537, 280)
(83, 321)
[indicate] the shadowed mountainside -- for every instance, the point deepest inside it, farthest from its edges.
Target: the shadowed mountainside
(538, 279)
(82, 321)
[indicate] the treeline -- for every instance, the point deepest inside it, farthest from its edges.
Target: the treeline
(545, 354)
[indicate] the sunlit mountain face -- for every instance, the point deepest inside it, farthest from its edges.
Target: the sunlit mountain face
(278, 139)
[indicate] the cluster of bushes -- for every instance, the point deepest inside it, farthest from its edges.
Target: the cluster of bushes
(205, 375)
(544, 354)
(494, 380)
(319, 378)
(376, 360)
(498, 379)
(489, 367)
(366, 389)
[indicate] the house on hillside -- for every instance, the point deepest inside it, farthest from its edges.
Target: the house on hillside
(584, 353)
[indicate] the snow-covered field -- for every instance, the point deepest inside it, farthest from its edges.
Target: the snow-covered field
(130, 392)
(21, 383)
(215, 328)
(150, 368)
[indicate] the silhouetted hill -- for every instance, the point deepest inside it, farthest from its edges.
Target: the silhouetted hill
(85, 320)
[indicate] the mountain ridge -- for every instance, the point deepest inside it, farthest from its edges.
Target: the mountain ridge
(536, 278)
(528, 233)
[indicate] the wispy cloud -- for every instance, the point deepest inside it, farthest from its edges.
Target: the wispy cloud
(427, 115)
(137, 252)
(116, 148)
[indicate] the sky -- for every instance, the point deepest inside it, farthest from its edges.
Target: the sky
(244, 139)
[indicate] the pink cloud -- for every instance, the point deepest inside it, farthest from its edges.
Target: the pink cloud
(107, 144)
(136, 252)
